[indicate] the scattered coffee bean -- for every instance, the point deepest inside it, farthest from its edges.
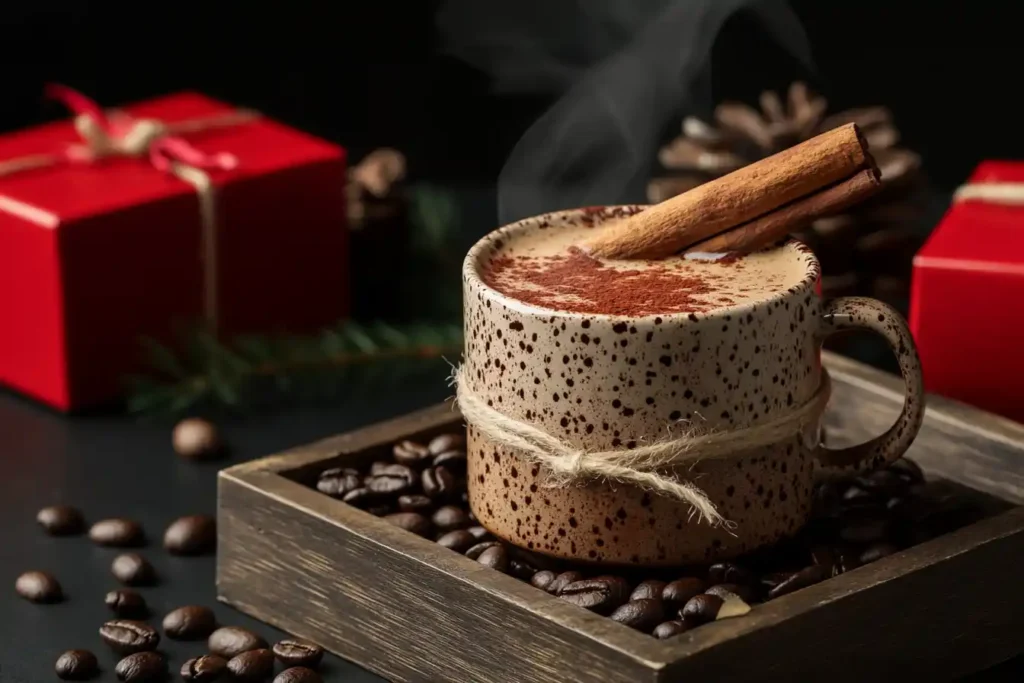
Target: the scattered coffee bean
(602, 594)
(133, 569)
(142, 667)
(196, 439)
(866, 530)
(668, 629)
(447, 442)
(117, 533)
(76, 665)
(643, 614)
(454, 461)
(412, 522)
(677, 593)
(228, 641)
(475, 552)
(191, 622)
(191, 535)
(391, 480)
(729, 572)
(412, 454)
(883, 482)
(298, 652)
(361, 498)
(807, 576)
(380, 510)
(459, 540)
(298, 674)
(908, 469)
(61, 520)
(127, 603)
(415, 503)
(203, 669)
(542, 579)
(450, 517)
(650, 589)
(253, 665)
(521, 568)
(125, 636)
(39, 587)
(479, 533)
(744, 592)
(338, 481)
(562, 580)
(702, 608)
(438, 482)
(877, 552)
(495, 557)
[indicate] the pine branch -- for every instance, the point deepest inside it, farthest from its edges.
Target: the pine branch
(252, 371)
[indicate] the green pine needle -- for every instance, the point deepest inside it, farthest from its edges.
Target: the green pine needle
(246, 372)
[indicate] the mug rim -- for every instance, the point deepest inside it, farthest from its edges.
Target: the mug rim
(471, 273)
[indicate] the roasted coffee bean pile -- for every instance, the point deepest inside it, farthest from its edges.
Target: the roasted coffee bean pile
(234, 653)
(857, 520)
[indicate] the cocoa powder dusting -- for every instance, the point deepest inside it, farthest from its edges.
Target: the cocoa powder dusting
(579, 283)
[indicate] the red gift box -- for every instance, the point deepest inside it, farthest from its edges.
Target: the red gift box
(97, 252)
(967, 289)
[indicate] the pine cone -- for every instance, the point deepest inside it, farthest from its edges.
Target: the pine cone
(867, 250)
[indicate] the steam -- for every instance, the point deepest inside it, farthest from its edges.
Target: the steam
(626, 67)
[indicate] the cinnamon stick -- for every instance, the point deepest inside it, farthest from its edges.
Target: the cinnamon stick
(773, 226)
(741, 197)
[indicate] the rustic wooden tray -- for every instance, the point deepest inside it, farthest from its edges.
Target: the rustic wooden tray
(407, 609)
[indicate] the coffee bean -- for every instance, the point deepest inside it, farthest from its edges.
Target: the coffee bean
(729, 572)
(411, 454)
(479, 533)
(726, 590)
(702, 608)
(228, 641)
(39, 587)
(867, 530)
(668, 629)
(542, 579)
(133, 569)
(125, 636)
(203, 669)
(447, 442)
(450, 517)
(117, 533)
(380, 510)
(677, 593)
(534, 560)
(459, 540)
(908, 469)
(495, 557)
(807, 576)
(877, 552)
(191, 622)
(76, 665)
(196, 439)
(125, 602)
(474, 552)
(142, 667)
(298, 674)
(643, 614)
(338, 481)
(859, 497)
(412, 522)
(61, 520)
(391, 480)
(562, 580)
(298, 652)
(650, 589)
(360, 498)
(191, 535)
(521, 568)
(438, 482)
(602, 594)
(254, 665)
(415, 503)
(454, 461)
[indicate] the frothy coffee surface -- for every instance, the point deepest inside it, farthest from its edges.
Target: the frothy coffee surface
(542, 267)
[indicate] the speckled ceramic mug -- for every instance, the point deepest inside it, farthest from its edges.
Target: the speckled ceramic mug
(607, 355)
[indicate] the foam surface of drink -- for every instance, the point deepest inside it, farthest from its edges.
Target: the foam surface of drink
(540, 266)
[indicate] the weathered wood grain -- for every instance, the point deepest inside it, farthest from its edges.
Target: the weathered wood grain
(412, 611)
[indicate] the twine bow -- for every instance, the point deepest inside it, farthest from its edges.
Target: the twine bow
(652, 466)
(991, 193)
(116, 134)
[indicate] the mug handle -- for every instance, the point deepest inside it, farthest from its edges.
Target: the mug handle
(860, 313)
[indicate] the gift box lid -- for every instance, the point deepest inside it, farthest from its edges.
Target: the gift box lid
(976, 234)
(62, 193)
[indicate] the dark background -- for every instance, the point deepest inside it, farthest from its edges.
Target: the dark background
(369, 73)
